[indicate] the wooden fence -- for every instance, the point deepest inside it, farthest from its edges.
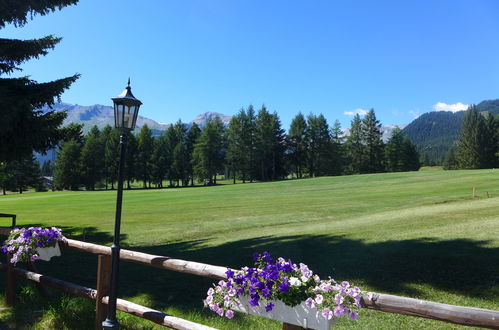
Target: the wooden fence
(382, 302)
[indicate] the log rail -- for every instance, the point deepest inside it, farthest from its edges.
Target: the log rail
(468, 316)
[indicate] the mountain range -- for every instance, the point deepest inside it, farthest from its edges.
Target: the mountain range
(101, 115)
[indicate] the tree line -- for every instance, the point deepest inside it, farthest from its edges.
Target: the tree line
(478, 145)
(253, 147)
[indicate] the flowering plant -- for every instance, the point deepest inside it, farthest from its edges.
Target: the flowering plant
(22, 243)
(283, 280)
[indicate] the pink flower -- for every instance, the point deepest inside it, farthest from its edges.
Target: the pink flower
(220, 311)
(345, 284)
(310, 303)
(319, 299)
(211, 292)
(338, 299)
(325, 287)
(354, 315)
(339, 310)
(209, 300)
(326, 312)
(229, 314)
(232, 292)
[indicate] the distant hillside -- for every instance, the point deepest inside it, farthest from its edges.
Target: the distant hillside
(435, 132)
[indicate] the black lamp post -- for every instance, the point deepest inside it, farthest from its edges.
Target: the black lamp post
(126, 110)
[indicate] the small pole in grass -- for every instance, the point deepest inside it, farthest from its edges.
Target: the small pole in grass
(474, 193)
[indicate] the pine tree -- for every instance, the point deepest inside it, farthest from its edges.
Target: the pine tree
(24, 173)
(395, 152)
(491, 142)
(450, 161)
(319, 145)
(473, 141)
(337, 154)
(410, 155)
(374, 146)
(192, 138)
(235, 150)
(92, 161)
(145, 150)
(5, 176)
(23, 127)
(67, 175)
(179, 153)
(111, 155)
(130, 170)
(355, 147)
(160, 161)
(269, 145)
(250, 164)
(208, 156)
(298, 144)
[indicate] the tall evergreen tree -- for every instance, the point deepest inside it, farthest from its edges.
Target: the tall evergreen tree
(298, 144)
(491, 141)
(374, 146)
(67, 175)
(410, 155)
(92, 161)
(235, 151)
(179, 153)
(270, 145)
(450, 160)
(111, 155)
(337, 155)
(130, 170)
(319, 145)
(472, 152)
(355, 147)
(250, 163)
(192, 138)
(24, 173)
(208, 157)
(5, 176)
(145, 148)
(24, 128)
(160, 161)
(395, 152)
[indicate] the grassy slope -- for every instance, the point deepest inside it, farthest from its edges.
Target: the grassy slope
(414, 234)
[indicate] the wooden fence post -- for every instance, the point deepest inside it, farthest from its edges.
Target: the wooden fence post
(32, 268)
(10, 284)
(103, 273)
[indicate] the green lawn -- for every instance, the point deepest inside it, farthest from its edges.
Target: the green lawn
(416, 234)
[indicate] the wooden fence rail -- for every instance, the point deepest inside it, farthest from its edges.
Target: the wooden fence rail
(382, 302)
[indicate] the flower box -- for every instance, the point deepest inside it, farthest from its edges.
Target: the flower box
(46, 253)
(300, 315)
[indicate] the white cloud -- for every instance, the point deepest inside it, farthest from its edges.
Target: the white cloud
(361, 112)
(440, 106)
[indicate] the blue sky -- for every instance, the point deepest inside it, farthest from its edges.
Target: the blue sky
(402, 58)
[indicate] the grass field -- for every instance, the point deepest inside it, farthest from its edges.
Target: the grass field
(416, 234)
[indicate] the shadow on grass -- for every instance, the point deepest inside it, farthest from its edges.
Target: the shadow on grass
(459, 266)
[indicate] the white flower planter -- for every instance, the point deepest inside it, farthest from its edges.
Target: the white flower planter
(300, 315)
(48, 252)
